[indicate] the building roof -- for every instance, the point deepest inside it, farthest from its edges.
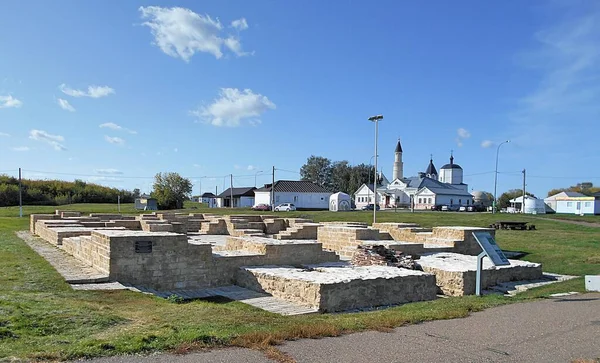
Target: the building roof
(237, 192)
(431, 169)
(208, 195)
(451, 165)
(566, 194)
(398, 147)
(294, 186)
(435, 186)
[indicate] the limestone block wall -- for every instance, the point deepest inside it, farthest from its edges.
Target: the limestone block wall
(172, 263)
(93, 251)
(38, 217)
(359, 287)
(339, 238)
(465, 242)
(110, 216)
(456, 274)
(129, 224)
(274, 225)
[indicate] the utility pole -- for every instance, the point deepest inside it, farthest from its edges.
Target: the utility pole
(523, 205)
(119, 202)
(20, 196)
(231, 189)
(273, 189)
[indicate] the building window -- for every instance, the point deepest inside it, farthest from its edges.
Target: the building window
(588, 204)
(295, 198)
(277, 199)
(569, 204)
(459, 201)
(467, 202)
(419, 200)
(451, 201)
(429, 201)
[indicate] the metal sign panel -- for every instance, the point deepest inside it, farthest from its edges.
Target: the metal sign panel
(491, 249)
(143, 246)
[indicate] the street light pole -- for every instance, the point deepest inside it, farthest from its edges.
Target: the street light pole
(369, 190)
(496, 176)
(376, 120)
(258, 172)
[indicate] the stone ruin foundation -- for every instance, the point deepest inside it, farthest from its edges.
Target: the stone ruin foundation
(293, 259)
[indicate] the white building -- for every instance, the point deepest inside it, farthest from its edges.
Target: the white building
(532, 205)
(209, 199)
(575, 203)
(302, 193)
(340, 202)
(424, 191)
(243, 197)
(551, 200)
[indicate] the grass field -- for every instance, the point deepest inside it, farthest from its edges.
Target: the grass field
(42, 318)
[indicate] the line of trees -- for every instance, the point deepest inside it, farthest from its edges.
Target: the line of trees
(59, 192)
(336, 176)
(586, 188)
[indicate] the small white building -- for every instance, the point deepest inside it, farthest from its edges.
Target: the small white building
(532, 205)
(209, 199)
(578, 205)
(243, 197)
(302, 193)
(551, 200)
(340, 202)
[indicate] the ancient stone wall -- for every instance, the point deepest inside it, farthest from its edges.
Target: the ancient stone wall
(33, 218)
(341, 238)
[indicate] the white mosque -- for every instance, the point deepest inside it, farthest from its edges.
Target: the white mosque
(425, 191)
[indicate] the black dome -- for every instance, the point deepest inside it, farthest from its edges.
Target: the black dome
(451, 166)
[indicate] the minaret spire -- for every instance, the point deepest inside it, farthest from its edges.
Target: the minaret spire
(398, 165)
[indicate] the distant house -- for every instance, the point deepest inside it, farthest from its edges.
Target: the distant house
(209, 199)
(243, 197)
(574, 203)
(145, 202)
(302, 193)
(551, 200)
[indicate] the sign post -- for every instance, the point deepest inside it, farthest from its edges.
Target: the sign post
(490, 249)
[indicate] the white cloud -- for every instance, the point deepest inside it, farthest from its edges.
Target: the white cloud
(65, 105)
(109, 171)
(4, 134)
(240, 24)
(237, 167)
(181, 33)
(53, 140)
(233, 106)
(566, 57)
(251, 167)
(9, 101)
(114, 126)
(21, 148)
(114, 140)
(487, 143)
(92, 91)
(197, 166)
(463, 133)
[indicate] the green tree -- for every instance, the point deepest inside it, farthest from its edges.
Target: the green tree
(171, 190)
(504, 200)
(341, 172)
(317, 169)
(136, 193)
(586, 188)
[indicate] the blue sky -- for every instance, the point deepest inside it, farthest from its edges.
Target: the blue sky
(114, 92)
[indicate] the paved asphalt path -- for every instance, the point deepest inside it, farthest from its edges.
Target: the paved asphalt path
(551, 330)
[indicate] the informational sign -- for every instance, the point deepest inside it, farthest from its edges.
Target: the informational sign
(143, 246)
(491, 249)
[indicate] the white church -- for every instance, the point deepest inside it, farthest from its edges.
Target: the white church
(425, 191)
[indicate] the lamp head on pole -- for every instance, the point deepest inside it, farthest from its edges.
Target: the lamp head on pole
(376, 118)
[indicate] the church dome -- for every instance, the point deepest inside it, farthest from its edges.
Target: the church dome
(479, 196)
(451, 165)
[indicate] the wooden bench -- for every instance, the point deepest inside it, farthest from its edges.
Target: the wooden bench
(512, 225)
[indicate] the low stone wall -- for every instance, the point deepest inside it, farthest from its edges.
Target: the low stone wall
(339, 238)
(456, 274)
(93, 251)
(33, 218)
(275, 225)
(331, 289)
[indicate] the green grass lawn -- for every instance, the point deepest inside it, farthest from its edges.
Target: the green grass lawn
(42, 318)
